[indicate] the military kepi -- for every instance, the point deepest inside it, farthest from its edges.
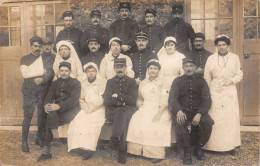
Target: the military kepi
(124, 5)
(95, 12)
(120, 61)
(177, 9)
(186, 60)
(67, 64)
(141, 35)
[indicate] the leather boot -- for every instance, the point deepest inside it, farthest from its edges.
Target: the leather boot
(25, 147)
(187, 157)
(44, 157)
(199, 153)
(112, 143)
(87, 155)
(122, 157)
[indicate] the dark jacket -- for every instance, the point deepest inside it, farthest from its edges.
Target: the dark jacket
(190, 94)
(200, 56)
(95, 57)
(140, 58)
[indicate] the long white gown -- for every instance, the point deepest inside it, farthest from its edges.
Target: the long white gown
(225, 135)
(146, 136)
(85, 128)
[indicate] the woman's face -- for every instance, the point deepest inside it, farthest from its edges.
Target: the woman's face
(222, 47)
(64, 51)
(170, 47)
(91, 73)
(115, 48)
(153, 71)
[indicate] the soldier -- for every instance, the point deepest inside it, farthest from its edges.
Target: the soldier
(189, 102)
(94, 55)
(70, 33)
(37, 76)
(124, 28)
(95, 31)
(182, 31)
(120, 103)
(141, 57)
(199, 54)
(156, 33)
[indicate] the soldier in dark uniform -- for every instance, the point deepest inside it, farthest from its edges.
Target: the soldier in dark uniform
(48, 60)
(189, 102)
(124, 28)
(120, 103)
(156, 33)
(141, 57)
(94, 55)
(70, 33)
(95, 31)
(61, 105)
(199, 54)
(34, 86)
(182, 31)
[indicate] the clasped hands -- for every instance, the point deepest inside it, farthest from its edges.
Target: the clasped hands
(51, 107)
(181, 118)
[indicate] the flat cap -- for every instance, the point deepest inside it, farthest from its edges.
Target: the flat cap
(177, 9)
(141, 35)
(93, 39)
(67, 64)
(95, 12)
(124, 5)
(150, 11)
(120, 61)
(68, 14)
(200, 35)
(186, 60)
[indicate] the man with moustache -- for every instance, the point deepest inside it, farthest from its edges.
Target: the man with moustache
(156, 33)
(189, 103)
(199, 54)
(124, 28)
(70, 33)
(95, 31)
(94, 55)
(37, 75)
(182, 31)
(120, 103)
(61, 105)
(141, 57)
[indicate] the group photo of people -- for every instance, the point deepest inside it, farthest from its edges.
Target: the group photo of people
(147, 87)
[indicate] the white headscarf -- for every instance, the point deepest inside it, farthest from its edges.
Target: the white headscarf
(163, 51)
(158, 79)
(85, 77)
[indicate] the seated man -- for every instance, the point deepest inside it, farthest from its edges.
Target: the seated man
(85, 129)
(189, 102)
(61, 105)
(120, 101)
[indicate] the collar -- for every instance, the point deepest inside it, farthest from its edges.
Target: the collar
(189, 77)
(120, 78)
(66, 58)
(35, 54)
(65, 80)
(222, 54)
(70, 28)
(197, 50)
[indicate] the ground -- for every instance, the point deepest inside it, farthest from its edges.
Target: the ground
(11, 154)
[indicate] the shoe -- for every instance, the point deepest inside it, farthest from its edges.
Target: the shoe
(39, 142)
(112, 143)
(44, 157)
(122, 157)
(87, 155)
(156, 160)
(25, 147)
(175, 147)
(199, 154)
(232, 152)
(187, 157)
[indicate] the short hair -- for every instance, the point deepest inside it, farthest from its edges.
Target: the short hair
(155, 63)
(223, 38)
(90, 67)
(65, 46)
(67, 14)
(35, 39)
(170, 41)
(117, 41)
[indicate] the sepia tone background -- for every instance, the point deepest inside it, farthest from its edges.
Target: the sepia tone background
(20, 20)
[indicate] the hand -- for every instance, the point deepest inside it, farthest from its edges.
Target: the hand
(45, 71)
(126, 48)
(226, 82)
(138, 81)
(156, 117)
(54, 107)
(181, 117)
(38, 81)
(47, 108)
(114, 95)
(199, 70)
(196, 119)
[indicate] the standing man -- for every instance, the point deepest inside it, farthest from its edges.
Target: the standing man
(156, 33)
(61, 105)
(189, 102)
(37, 77)
(95, 31)
(94, 55)
(124, 28)
(141, 57)
(70, 33)
(120, 103)
(182, 31)
(198, 54)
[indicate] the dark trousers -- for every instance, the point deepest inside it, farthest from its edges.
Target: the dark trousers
(189, 135)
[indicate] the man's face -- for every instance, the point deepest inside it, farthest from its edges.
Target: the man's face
(91, 73)
(189, 68)
(199, 43)
(115, 48)
(64, 51)
(141, 43)
(120, 70)
(222, 47)
(95, 20)
(68, 21)
(149, 18)
(64, 72)
(47, 48)
(153, 71)
(170, 47)
(177, 16)
(36, 48)
(124, 13)
(93, 46)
